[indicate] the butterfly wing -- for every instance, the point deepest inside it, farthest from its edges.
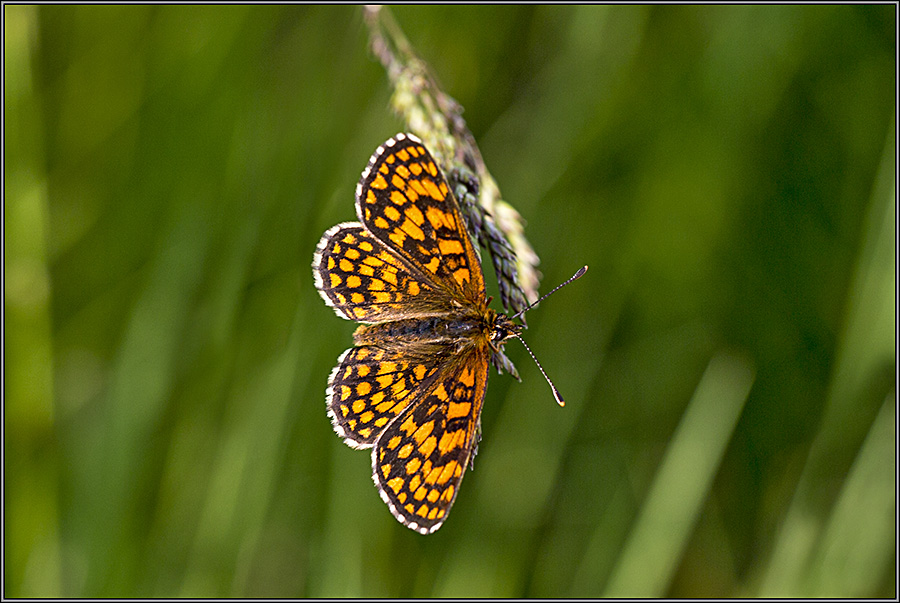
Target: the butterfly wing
(371, 385)
(363, 281)
(420, 458)
(403, 199)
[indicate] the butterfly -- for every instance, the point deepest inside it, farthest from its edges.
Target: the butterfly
(412, 386)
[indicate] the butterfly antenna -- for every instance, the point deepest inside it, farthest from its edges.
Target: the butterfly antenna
(574, 277)
(556, 394)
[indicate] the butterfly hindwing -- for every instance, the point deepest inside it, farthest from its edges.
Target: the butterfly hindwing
(420, 458)
(370, 386)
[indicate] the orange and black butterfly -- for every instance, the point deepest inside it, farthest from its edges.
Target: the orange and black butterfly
(413, 385)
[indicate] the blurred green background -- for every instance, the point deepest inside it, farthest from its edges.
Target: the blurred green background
(728, 361)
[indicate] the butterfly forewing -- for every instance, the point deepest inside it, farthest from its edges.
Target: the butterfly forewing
(363, 281)
(405, 202)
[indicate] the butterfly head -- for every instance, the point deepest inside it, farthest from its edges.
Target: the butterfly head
(503, 328)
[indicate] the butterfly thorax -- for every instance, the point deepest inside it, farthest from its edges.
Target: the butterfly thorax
(461, 330)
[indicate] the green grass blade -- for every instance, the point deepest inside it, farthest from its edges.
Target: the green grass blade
(865, 350)
(682, 482)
